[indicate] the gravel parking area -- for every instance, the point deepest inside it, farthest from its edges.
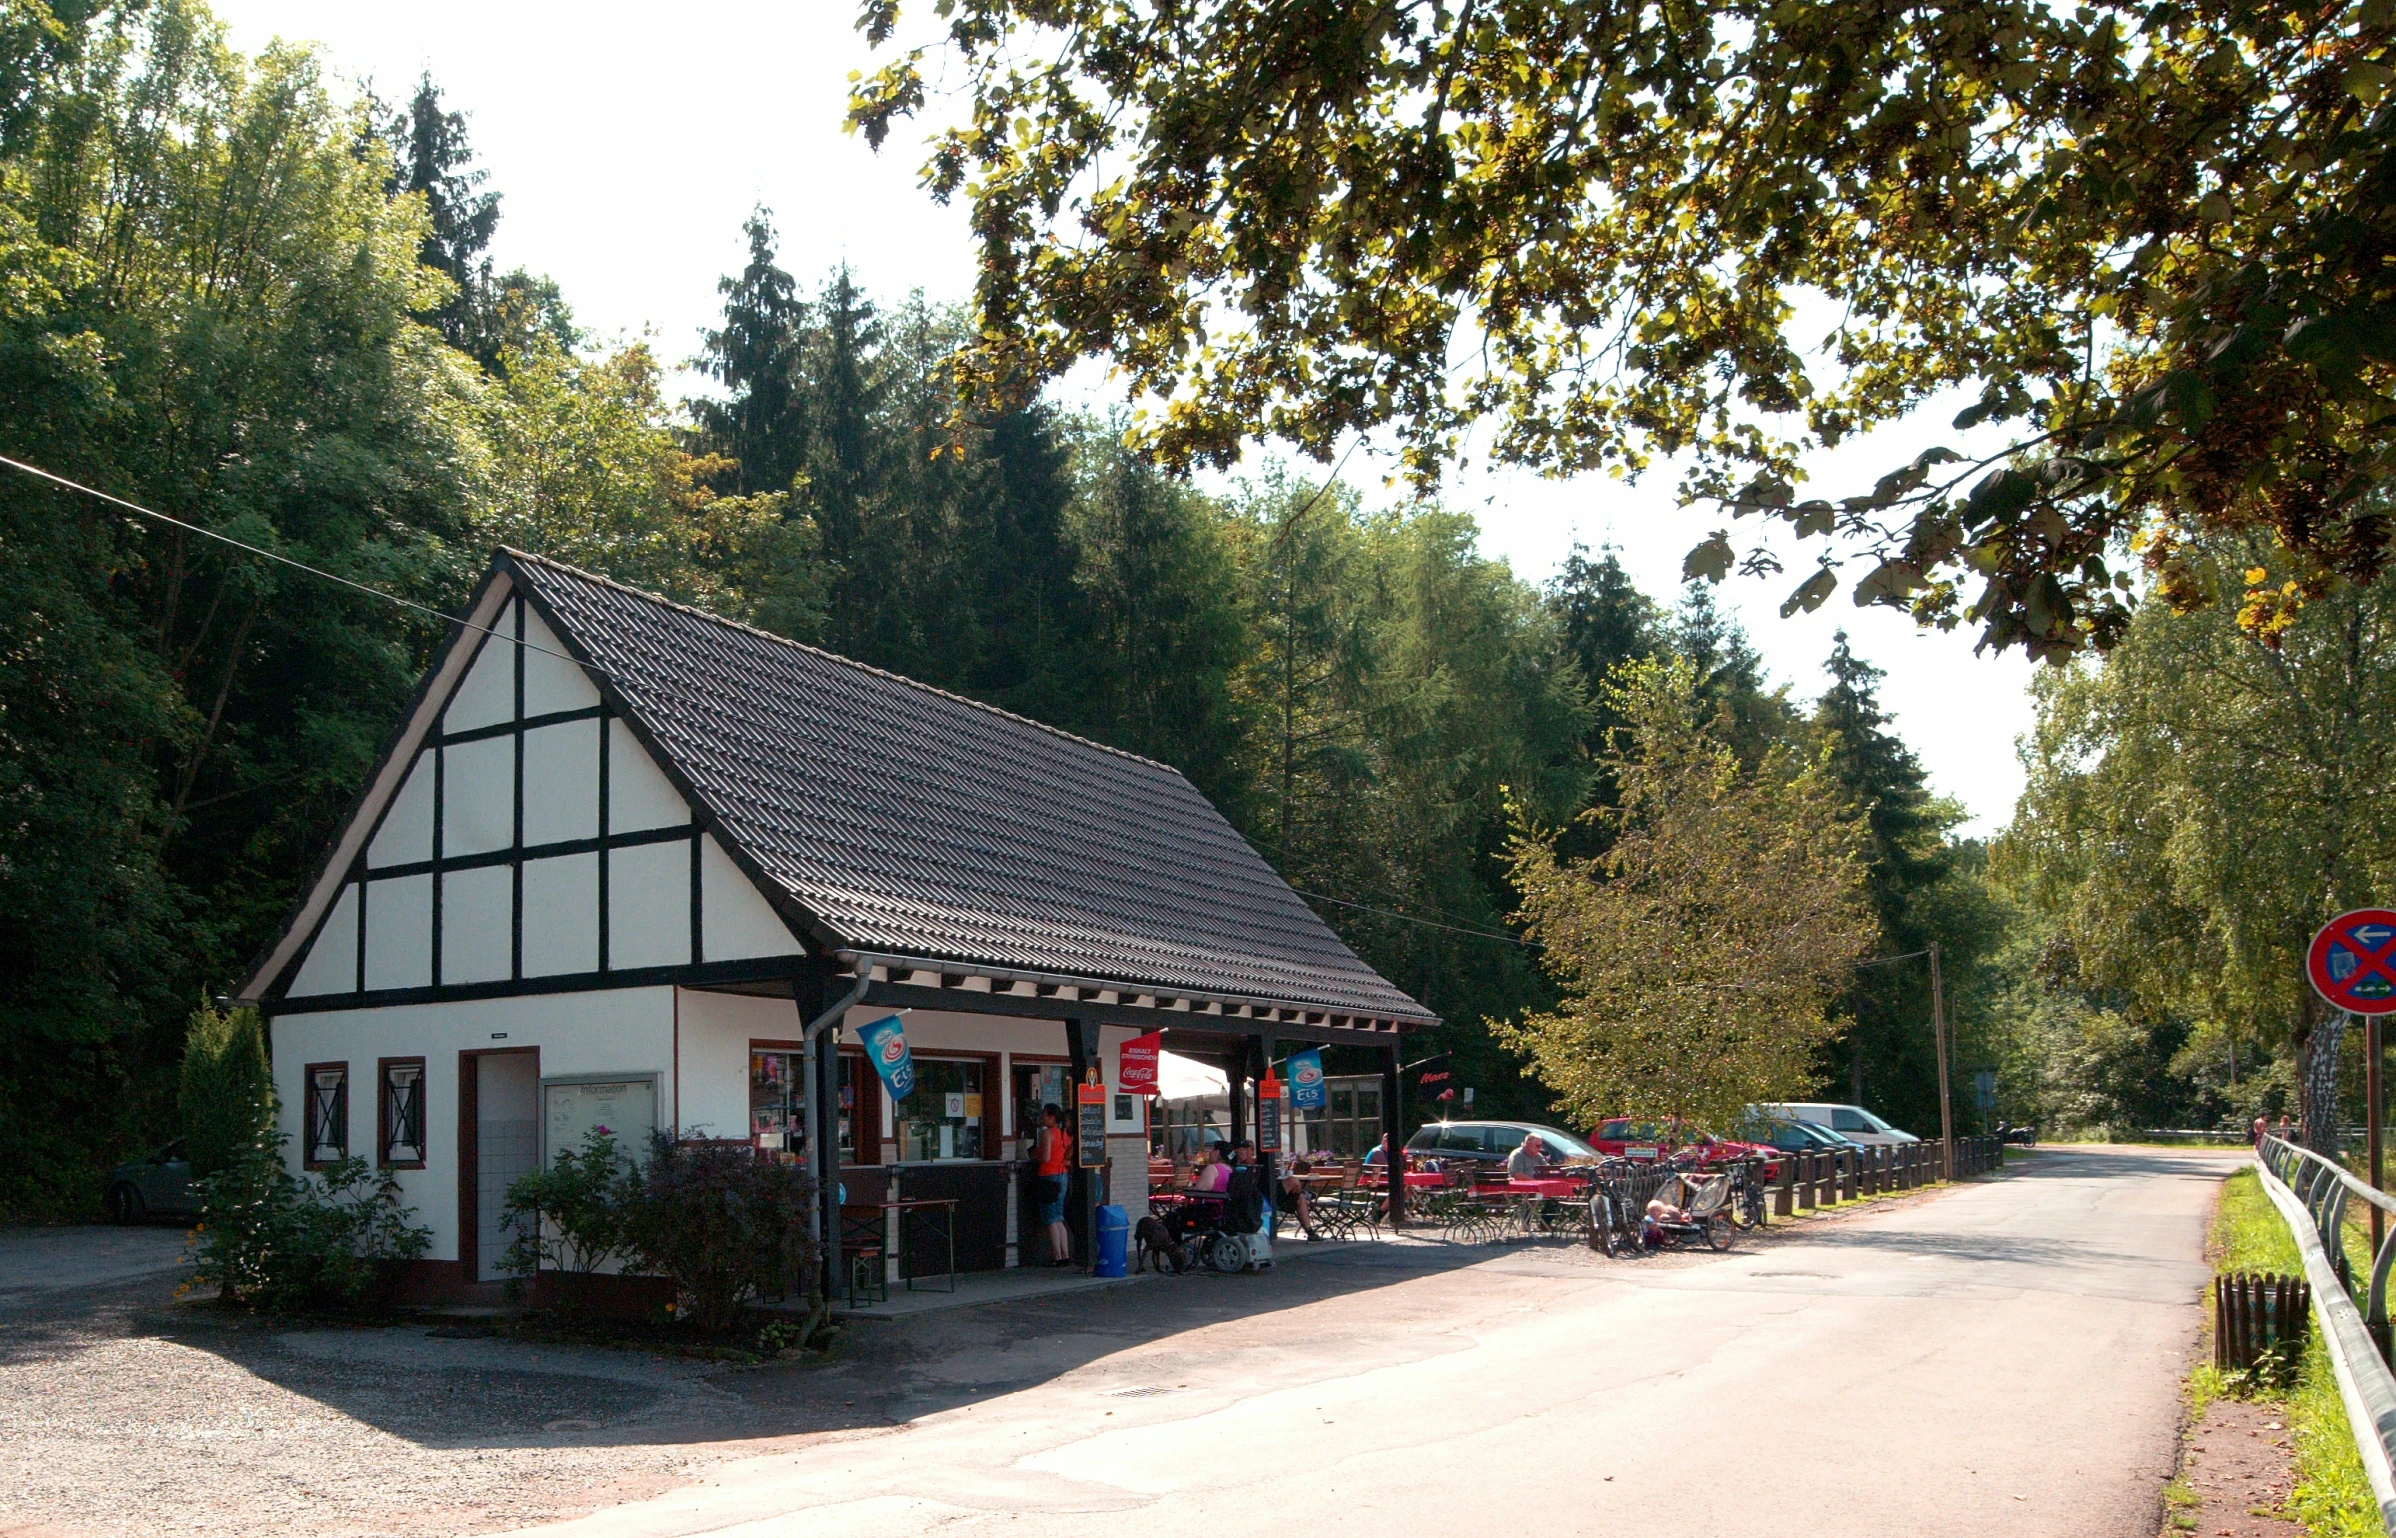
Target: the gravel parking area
(125, 1412)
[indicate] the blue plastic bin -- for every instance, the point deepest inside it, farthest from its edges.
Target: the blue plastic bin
(1114, 1242)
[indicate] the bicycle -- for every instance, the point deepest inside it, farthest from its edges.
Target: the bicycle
(1747, 1194)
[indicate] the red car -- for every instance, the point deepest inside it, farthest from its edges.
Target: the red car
(1623, 1138)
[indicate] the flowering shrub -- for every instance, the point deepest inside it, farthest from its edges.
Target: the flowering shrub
(724, 1225)
(570, 1216)
(324, 1240)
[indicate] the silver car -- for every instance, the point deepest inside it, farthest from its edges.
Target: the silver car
(1851, 1122)
(158, 1186)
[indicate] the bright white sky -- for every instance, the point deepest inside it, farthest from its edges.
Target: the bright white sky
(628, 148)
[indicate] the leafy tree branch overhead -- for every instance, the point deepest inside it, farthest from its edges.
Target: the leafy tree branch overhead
(2152, 239)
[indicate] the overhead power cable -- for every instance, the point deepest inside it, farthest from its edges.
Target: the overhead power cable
(1408, 918)
(282, 560)
(355, 586)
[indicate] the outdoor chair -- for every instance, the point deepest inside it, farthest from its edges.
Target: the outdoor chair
(861, 1253)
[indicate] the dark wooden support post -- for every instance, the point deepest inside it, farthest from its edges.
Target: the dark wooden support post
(1268, 1160)
(1235, 1088)
(1081, 1191)
(1393, 1135)
(813, 992)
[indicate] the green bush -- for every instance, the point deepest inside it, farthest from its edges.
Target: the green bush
(324, 1240)
(228, 1090)
(570, 1217)
(724, 1225)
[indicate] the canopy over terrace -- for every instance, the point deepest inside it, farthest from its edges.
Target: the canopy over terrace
(924, 851)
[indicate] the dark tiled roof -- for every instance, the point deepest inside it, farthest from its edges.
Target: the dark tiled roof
(908, 820)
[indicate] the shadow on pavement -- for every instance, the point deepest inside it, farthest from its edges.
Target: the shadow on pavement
(497, 1391)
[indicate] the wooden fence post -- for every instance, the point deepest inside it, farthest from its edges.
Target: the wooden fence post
(1784, 1192)
(1849, 1158)
(1808, 1174)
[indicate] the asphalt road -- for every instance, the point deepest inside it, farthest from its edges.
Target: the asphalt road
(2001, 1359)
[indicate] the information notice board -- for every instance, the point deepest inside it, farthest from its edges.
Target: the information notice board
(573, 1108)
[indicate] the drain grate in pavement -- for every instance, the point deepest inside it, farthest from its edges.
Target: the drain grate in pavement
(1144, 1391)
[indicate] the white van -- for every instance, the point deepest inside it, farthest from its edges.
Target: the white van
(1852, 1122)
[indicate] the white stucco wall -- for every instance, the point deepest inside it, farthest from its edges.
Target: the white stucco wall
(697, 1043)
(626, 1031)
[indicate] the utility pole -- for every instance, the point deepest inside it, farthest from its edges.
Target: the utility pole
(1938, 1030)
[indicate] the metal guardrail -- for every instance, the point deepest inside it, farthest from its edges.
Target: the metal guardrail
(2312, 1195)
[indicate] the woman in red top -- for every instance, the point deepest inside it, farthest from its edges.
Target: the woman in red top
(1053, 1154)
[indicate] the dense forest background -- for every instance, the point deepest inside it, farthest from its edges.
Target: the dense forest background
(244, 299)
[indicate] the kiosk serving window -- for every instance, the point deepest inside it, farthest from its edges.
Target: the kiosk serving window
(777, 1110)
(948, 1116)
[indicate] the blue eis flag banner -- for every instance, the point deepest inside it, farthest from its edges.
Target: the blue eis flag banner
(885, 1046)
(1307, 1091)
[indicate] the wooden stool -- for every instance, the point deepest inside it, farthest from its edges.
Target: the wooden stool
(867, 1276)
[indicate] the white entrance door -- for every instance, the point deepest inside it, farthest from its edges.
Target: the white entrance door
(507, 1143)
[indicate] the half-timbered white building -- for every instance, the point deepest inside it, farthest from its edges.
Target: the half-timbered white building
(619, 853)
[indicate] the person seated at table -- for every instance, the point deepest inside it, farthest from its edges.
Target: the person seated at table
(1211, 1175)
(1296, 1196)
(1529, 1160)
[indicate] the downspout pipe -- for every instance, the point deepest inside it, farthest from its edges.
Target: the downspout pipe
(824, 1222)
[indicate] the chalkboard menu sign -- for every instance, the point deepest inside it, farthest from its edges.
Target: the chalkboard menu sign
(1268, 1124)
(1091, 1144)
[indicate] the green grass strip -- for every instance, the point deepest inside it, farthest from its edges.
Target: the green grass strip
(2332, 1497)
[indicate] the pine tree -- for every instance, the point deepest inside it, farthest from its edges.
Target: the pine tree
(431, 156)
(1890, 1056)
(869, 618)
(759, 357)
(1163, 633)
(1606, 622)
(1013, 531)
(1730, 676)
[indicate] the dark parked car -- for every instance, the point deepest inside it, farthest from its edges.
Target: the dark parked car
(1623, 1138)
(1797, 1137)
(1489, 1142)
(158, 1186)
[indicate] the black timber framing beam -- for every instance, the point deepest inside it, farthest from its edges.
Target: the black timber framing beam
(768, 977)
(1204, 1031)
